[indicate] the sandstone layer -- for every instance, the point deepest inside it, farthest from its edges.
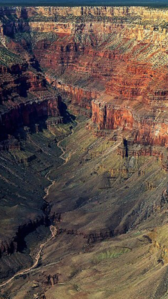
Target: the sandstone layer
(106, 67)
(115, 55)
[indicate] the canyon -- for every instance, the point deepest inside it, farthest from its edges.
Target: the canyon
(83, 150)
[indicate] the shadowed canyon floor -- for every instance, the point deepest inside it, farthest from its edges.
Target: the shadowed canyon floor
(83, 153)
(83, 260)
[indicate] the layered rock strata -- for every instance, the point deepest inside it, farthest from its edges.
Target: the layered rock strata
(118, 56)
(104, 61)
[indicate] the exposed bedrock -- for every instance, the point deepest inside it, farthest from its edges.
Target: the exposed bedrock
(27, 114)
(25, 98)
(18, 243)
(17, 81)
(104, 61)
(144, 129)
(78, 98)
(86, 52)
(92, 237)
(109, 64)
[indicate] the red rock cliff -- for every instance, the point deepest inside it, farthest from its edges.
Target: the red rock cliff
(115, 55)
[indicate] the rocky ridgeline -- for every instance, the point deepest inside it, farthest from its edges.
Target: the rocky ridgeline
(143, 12)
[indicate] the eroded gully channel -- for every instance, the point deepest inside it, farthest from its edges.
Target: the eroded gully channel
(53, 229)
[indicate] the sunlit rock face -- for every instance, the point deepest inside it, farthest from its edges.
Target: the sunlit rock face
(115, 55)
(102, 175)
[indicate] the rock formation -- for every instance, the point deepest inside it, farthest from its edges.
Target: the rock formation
(107, 66)
(114, 58)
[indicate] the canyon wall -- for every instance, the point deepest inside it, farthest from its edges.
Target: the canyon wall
(100, 11)
(28, 114)
(106, 61)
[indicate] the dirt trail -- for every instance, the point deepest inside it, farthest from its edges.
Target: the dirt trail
(37, 258)
(62, 149)
(53, 229)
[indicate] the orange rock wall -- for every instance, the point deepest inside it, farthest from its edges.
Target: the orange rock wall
(115, 58)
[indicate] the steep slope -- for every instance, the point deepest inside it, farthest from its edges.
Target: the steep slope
(107, 67)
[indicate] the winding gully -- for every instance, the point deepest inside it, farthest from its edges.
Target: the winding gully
(53, 229)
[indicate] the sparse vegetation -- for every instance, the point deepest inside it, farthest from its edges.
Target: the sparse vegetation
(8, 58)
(110, 254)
